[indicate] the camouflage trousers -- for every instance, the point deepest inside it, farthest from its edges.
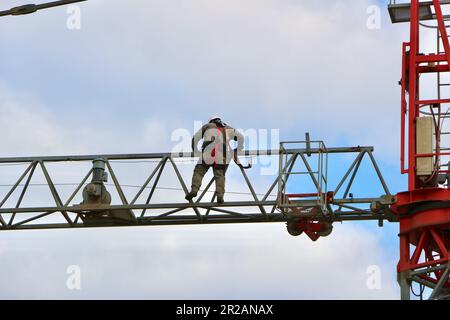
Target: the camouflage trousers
(219, 176)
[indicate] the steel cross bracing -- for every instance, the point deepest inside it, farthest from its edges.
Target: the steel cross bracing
(264, 208)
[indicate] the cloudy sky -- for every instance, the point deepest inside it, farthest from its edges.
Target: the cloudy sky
(138, 70)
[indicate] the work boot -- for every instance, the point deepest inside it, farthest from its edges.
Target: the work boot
(220, 199)
(191, 195)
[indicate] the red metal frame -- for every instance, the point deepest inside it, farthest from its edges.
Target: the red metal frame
(424, 212)
(311, 228)
(404, 106)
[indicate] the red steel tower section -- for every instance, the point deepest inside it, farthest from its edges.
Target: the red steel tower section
(424, 210)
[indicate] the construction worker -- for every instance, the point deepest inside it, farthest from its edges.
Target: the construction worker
(216, 152)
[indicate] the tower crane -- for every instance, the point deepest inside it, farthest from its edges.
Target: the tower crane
(423, 211)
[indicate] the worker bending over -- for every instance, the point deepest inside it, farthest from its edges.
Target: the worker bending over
(216, 152)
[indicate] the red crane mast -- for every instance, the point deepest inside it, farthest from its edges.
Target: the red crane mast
(424, 210)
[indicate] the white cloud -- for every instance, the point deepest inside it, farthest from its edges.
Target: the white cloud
(33, 128)
(214, 262)
(27, 127)
(156, 136)
(270, 63)
(297, 66)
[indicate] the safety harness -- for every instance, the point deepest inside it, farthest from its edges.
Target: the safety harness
(222, 133)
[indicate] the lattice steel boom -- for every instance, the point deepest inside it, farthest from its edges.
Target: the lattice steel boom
(140, 210)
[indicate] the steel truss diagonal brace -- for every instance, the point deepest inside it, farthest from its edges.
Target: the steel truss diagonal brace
(264, 208)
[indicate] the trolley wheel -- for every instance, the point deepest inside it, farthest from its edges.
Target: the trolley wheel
(327, 229)
(292, 229)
